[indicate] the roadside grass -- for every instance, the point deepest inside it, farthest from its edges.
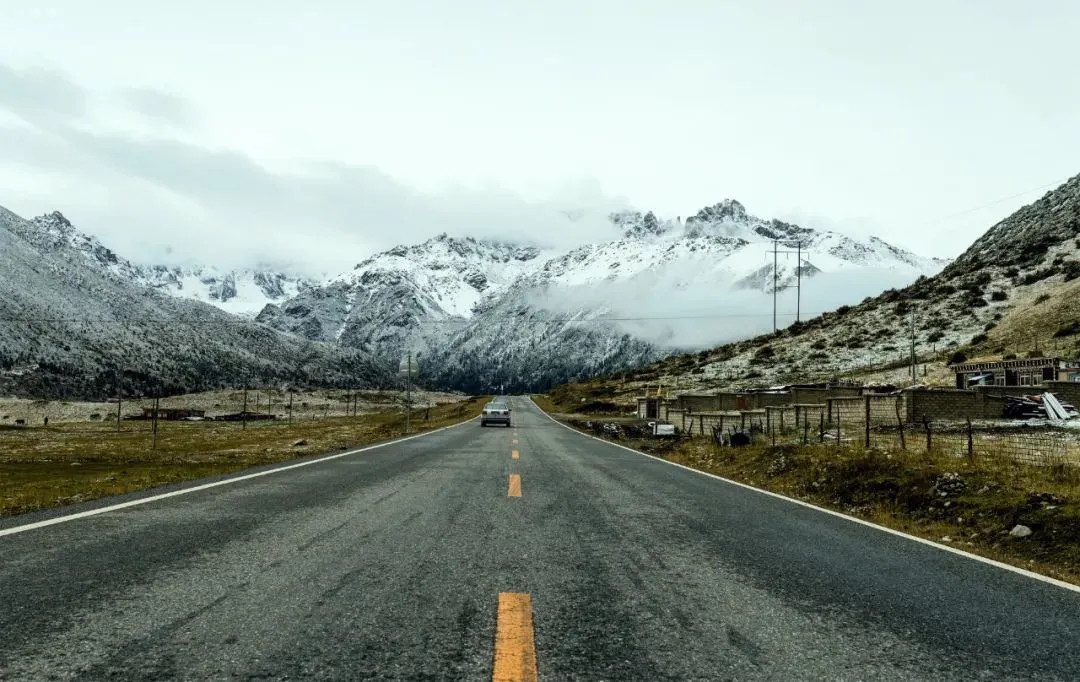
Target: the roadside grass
(968, 503)
(45, 467)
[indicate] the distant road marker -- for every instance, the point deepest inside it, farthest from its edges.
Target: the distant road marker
(515, 648)
(515, 486)
(515, 454)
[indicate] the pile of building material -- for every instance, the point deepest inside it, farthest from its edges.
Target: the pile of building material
(1044, 406)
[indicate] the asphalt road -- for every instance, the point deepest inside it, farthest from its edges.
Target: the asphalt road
(389, 564)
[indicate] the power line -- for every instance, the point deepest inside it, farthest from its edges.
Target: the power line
(1000, 201)
(639, 318)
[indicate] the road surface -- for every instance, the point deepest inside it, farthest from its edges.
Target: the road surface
(446, 557)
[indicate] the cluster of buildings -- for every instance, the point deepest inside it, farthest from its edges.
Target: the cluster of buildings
(982, 391)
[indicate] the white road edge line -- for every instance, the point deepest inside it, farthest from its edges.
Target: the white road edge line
(945, 548)
(154, 498)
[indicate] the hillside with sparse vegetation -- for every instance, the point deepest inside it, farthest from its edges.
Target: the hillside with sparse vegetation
(1014, 292)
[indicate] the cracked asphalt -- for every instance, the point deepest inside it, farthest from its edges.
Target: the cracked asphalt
(388, 564)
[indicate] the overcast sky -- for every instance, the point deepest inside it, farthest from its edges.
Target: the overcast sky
(321, 130)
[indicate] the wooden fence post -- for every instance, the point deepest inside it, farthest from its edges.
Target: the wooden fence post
(866, 399)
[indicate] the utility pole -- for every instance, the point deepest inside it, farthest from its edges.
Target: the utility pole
(776, 278)
(243, 412)
(798, 279)
(290, 405)
(157, 403)
(119, 394)
(408, 395)
(913, 375)
(775, 284)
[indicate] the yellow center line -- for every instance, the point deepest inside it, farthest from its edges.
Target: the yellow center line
(515, 454)
(515, 486)
(515, 441)
(515, 648)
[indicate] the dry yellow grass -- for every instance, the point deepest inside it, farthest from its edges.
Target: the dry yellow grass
(305, 404)
(60, 464)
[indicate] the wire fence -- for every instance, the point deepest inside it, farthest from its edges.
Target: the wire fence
(1044, 445)
(220, 410)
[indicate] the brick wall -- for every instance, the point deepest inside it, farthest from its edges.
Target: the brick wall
(760, 401)
(883, 408)
(809, 414)
(946, 404)
(849, 410)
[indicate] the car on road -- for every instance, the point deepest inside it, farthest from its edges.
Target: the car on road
(495, 413)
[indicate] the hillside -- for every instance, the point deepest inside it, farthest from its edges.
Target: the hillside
(241, 291)
(483, 313)
(70, 317)
(1015, 291)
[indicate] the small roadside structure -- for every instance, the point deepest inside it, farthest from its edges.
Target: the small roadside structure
(245, 416)
(1016, 372)
(170, 413)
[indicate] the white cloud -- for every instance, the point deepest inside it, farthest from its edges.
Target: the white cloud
(662, 308)
(154, 196)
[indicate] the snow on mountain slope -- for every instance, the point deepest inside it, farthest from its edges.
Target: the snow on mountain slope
(409, 297)
(484, 314)
(70, 315)
(242, 291)
(724, 242)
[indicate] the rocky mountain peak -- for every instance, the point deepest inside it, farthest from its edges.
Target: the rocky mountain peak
(635, 224)
(728, 210)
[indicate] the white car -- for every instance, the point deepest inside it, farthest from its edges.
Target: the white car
(495, 413)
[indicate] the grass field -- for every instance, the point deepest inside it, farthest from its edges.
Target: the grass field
(74, 462)
(970, 503)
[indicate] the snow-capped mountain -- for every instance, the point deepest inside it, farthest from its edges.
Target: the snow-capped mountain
(72, 313)
(724, 243)
(407, 297)
(485, 313)
(241, 291)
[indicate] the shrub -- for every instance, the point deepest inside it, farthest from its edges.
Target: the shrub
(989, 326)
(1037, 276)
(820, 344)
(957, 358)
(979, 338)
(1012, 272)
(972, 299)
(935, 336)
(1010, 356)
(1042, 298)
(843, 310)
(999, 296)
(1071, 270)
(1068, 330)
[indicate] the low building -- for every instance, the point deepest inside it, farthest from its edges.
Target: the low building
(172, 413)
(1016, 372)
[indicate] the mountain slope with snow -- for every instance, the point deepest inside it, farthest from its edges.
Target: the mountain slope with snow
(241, 291)
(483, 313)
(1015, 292)
(72, 313)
